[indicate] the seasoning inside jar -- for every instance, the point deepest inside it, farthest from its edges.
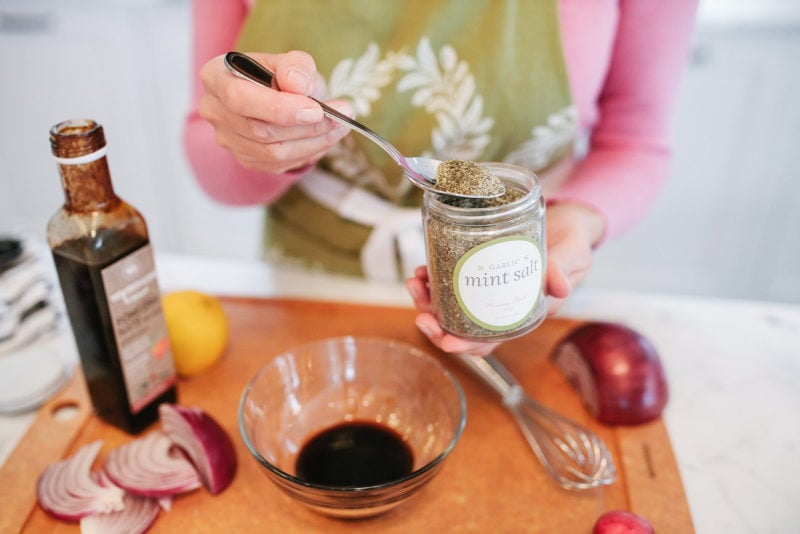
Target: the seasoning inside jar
(486, 258)
(467, 178)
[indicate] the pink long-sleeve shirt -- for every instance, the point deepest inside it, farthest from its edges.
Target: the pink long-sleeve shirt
(624, 58)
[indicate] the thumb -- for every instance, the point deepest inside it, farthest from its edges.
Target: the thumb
(556, 281)
(296, 72)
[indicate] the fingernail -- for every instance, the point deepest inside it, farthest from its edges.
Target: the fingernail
(425, 328)
(309, 115)
(412, 289)
(301, 78)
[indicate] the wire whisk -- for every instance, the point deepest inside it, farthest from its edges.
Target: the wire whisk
(573, 455)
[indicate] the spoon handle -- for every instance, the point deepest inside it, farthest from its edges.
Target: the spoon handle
(246, 67)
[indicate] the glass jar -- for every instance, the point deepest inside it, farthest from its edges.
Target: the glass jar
(486, 258)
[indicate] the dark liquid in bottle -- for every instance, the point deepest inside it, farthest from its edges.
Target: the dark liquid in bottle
(355, 454)
(87, 308)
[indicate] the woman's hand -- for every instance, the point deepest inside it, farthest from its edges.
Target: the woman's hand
(419, 289)
(573, 230)
(267, 130)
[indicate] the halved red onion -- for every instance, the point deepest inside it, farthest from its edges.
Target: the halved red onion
(151, 466)
(136, 517)
(616, 371)
(68, 490)
(204, 441)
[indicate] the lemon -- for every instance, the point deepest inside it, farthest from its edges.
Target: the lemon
(198, 330)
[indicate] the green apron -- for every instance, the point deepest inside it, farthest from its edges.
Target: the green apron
(480, 80)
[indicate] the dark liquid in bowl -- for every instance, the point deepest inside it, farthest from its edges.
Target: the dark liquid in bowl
(354, 454)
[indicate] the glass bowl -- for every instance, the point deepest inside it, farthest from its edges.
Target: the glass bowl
(391, 413)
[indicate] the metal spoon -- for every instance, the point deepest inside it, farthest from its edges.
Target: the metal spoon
(420, 171)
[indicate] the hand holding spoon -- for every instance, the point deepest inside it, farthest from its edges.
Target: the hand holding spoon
(419, 170)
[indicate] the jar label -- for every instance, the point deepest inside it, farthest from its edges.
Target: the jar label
(499, 283)
(134, 302)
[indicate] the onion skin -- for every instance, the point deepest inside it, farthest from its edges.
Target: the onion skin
(622, 522)
(616, 370)
(204, 441)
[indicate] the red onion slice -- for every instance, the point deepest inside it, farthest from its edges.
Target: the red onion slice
(150, 466)
(204, 441)
(137, 517)
(68, 491)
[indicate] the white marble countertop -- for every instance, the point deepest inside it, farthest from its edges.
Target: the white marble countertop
(732, 366)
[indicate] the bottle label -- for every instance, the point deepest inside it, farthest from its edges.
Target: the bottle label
(499, 283)
(134, 302)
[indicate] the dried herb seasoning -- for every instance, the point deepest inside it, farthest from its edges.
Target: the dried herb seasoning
(467, 178)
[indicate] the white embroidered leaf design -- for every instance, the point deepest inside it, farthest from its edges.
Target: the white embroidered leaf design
(464, 93)
(361, 80)
(472, 116)
(484, 125)
(438, 141)
(422, 96)
(400, 60)
(370, 93)
(440, 83)
(412, 80)
(447, 125)
(462, 71)
(448, 58)
(337, 82)
(425, 56)
(559, 132)
(445, 88)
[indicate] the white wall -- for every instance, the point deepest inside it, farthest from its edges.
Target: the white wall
(726, 224)
(124, 63)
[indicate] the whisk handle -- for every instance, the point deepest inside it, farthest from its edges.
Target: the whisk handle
(495, 374)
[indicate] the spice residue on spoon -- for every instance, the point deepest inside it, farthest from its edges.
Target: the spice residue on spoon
(467, 178)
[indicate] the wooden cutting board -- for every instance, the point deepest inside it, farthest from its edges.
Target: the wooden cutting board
(492, 482)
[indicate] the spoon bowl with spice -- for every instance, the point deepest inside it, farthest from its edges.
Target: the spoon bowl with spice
(462, 179)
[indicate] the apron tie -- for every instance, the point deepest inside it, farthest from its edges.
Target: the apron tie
(396, 231)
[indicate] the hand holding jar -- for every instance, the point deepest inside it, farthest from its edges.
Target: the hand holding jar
(485, 281)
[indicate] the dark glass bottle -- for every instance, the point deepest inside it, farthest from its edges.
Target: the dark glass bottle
(106, 270)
